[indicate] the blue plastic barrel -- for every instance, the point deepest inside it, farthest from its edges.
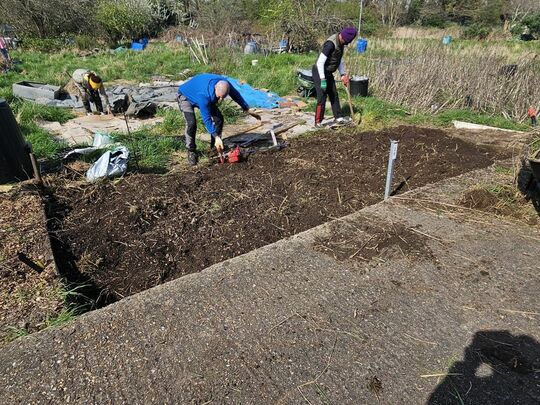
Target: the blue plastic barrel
(447, 40)
(361, 45)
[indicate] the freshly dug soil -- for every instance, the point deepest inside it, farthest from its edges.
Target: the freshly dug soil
(147, 229)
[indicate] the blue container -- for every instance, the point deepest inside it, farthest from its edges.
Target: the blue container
(361, 45)
(137, 46)
(447, 40)
(283, 44)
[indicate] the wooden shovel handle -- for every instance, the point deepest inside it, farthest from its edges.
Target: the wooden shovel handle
(350, 101)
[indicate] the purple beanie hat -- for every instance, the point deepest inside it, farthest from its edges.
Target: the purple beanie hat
(348, 34)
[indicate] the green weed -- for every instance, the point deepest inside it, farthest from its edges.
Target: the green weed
(503, 170)
(60, 319)
(14, 333)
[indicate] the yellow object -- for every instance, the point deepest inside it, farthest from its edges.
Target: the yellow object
(93, 84)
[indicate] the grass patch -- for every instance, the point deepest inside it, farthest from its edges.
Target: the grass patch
(173, 122)
(44, 145)
(377, 113)
(445, 118)
(149, 153)
(27, 111)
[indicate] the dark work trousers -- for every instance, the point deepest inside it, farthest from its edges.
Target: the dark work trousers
(188, 110)
(533, 120)
(331, 91)
(91, 95)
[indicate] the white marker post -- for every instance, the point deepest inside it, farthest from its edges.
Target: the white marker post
(274, 139)
(390, 172)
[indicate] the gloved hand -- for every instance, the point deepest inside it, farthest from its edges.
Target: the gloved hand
(323, 84)
(218, 143)
(345, 80)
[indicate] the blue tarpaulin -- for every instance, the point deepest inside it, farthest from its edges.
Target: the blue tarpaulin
(254, 97)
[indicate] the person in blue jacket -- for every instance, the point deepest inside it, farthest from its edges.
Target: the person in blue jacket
(204, 91)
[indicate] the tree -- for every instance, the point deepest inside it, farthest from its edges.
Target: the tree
(516, 10)
(391, 11)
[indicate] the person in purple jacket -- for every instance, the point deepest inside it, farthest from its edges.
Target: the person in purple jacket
(204, 91)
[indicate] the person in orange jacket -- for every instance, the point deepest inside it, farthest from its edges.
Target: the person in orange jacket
(532, 115)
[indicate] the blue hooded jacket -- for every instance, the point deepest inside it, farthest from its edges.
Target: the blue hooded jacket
(200, 91)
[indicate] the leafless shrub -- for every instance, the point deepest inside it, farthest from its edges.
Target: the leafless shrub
(432, 77)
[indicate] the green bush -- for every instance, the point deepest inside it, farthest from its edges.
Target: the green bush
(46, 44)
(435, 20)
(533, 22)
(85, 42)
(517, 29)
(476, 31)
(124, 19)
(371, 23)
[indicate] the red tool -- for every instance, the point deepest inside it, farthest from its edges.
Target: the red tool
(234, 156)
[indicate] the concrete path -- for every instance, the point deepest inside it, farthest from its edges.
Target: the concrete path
(408, 302)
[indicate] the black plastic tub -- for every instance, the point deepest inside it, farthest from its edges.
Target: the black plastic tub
(15, 162)
(359, 86)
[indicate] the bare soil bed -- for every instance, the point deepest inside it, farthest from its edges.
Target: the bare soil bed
(144, 230)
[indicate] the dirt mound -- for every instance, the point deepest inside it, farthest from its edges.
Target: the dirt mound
(499, 199)
(480, 199)
(147, 229)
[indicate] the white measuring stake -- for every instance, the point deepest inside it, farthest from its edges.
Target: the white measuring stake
(274, 140)
(390, 172)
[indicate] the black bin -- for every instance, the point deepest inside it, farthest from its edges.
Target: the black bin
(359, 86)
(15, 164)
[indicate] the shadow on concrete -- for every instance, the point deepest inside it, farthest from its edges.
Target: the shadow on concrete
(497, 368)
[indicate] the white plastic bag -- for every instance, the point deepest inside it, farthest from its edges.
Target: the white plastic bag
(111, 164)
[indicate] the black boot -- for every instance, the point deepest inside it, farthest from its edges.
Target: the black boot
(192, 158)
